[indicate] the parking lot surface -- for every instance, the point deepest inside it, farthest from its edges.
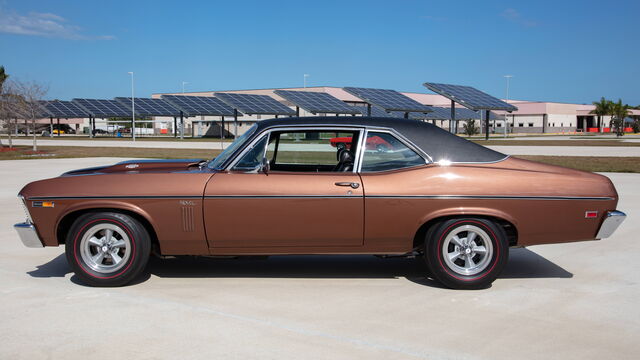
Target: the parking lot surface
(567, 301)
(631, 151)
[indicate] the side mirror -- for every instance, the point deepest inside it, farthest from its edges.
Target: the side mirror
(265, 167)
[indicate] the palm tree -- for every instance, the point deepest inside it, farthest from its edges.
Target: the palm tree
(603, 108)
(618, 113)
(3, 78)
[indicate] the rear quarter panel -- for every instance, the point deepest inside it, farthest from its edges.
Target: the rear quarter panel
(546, 204)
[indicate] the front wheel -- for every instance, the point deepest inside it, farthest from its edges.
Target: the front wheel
(466, 253)
(107, 248)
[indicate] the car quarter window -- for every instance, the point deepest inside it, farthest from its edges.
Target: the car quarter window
(304, 151)
(384, 151)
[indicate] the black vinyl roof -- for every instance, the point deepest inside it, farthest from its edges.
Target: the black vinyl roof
(434, 141)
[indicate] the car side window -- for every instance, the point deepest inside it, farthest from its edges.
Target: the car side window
(384, 152)
(302, 151)
(252, 159)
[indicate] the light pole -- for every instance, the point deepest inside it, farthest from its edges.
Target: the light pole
(506, 123)
(183, 84)
(133, 110)
(304, 79)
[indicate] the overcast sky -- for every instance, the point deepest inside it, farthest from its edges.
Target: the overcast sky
(571, 51)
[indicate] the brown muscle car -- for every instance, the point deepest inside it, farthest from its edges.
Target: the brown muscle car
(281, 188)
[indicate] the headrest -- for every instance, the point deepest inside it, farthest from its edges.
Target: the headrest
(345, 156)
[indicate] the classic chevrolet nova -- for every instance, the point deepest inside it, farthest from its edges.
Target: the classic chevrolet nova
(281, 188)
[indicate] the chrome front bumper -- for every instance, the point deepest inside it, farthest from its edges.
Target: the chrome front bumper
(612, 220)
(28, 235)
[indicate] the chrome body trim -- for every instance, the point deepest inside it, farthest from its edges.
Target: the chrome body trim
(480, 197)
(28, 235)
(610, 224)
(427, 159)
(115, 197)
(25, 208)
(322, 127)
(267, 132)
(487, 197)
(403, 140)
(283, 197)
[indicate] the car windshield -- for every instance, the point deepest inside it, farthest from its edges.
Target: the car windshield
(217, 162)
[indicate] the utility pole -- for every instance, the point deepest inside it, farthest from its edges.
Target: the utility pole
(506, 123)
(133, 110)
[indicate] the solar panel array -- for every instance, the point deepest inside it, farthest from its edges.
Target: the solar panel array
(150, 107)
(64, 109)
(199, 105)
(389, 100)
(470, 97)
(103, 108)
(444, 113)
(255, 104)
(317, 102)
(376, 111)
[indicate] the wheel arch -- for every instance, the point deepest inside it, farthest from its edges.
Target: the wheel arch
(66, 221)
(507, 223)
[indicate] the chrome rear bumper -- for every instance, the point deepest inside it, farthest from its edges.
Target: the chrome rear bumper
(612, 220)
(28, 235)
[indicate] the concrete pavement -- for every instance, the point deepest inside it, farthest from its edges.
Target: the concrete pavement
(569, 301)
(629, 151)
(215, 145)
(624, 151)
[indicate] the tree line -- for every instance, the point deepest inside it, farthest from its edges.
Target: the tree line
(618, 113)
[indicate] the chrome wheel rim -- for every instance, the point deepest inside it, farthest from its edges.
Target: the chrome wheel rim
(105, 248)
(467, 250)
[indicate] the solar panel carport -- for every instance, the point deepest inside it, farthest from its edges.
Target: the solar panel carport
(103, 108)
(155, 107)
(388, 100)
(200, 106)
(316, 102)
(62, 109)
(470, 98)
(252, 104)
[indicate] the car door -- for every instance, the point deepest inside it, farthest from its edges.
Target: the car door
(391, 172)
(305, 200)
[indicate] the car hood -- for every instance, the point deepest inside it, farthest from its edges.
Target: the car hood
(140, 166)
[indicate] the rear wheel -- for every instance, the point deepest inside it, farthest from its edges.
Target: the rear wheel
(467, 253)
(107, 248)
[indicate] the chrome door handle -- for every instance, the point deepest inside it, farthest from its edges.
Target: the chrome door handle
(354, 185)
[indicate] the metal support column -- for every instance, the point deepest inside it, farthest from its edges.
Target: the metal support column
(297, 111)
(222, 129)
(181, 125)
(51, 126)
(452, 122)
(58, 122)
(406, 115)
(368, 109)
(175, 127)
(235, 123)
(486, 124)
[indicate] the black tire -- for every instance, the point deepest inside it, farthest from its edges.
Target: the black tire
(129, 242)
(452, 273)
